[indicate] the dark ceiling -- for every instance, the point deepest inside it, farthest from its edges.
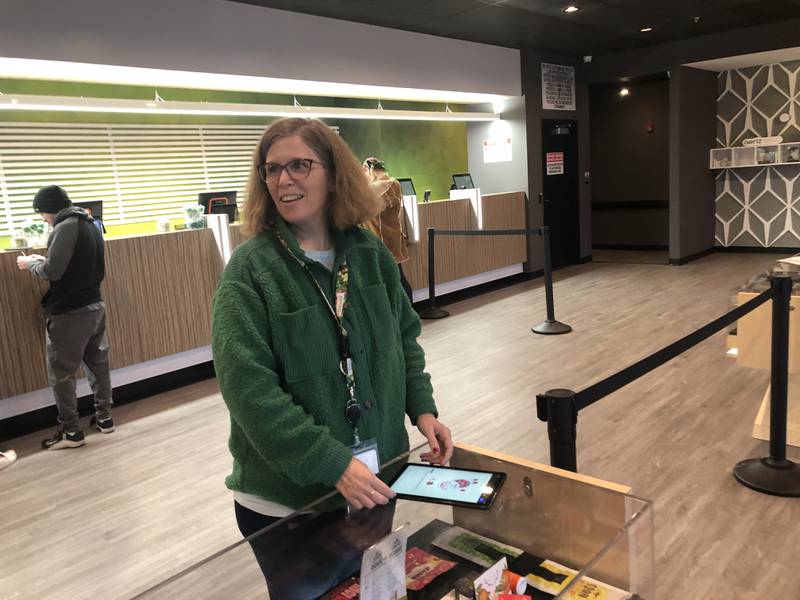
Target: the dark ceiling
(599, 27)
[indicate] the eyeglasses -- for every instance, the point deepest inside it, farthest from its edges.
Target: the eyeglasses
(297, 168)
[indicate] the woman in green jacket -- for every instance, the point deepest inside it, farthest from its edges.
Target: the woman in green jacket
(314, 341)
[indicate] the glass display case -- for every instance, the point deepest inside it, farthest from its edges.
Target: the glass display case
(564, 534)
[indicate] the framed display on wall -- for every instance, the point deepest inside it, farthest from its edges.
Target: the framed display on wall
(754, 155)
(744, 157)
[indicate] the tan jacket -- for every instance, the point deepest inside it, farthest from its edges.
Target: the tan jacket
(389, 224)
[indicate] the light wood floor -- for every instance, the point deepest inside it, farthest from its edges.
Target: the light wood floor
(656, 257)
(131, 508)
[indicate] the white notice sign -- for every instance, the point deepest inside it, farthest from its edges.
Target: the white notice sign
(558, 87)
(497, 150)
(555, 163)
(383, 569)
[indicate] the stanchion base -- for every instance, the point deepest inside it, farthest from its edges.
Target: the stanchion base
(551, 328)
(769, 476)
(433, 312)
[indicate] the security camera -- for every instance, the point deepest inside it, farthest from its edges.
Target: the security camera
(587, 59)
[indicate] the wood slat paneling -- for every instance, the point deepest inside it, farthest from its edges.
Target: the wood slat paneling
(157, 290)
(463, 256)
(21, 328)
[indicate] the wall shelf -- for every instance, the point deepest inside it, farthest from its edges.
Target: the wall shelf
(754, 156)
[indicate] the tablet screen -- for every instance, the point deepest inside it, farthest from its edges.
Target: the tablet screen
(446, 484)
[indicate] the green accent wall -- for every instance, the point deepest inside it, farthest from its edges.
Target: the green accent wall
(427, 151)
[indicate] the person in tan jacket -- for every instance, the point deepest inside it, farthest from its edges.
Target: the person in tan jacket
(389, 224)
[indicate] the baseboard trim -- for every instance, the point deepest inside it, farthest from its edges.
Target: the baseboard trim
(644, 247)
(758, 249)
(687, 259)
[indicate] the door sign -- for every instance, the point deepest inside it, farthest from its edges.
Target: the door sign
(555, 163)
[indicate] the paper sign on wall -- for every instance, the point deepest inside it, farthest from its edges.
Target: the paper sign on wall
(497, 150)
(558, 87)
(555, 163)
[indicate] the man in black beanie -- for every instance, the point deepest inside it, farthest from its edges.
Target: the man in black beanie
(75, 312)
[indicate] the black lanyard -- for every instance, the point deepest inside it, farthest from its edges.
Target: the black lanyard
(352, 409)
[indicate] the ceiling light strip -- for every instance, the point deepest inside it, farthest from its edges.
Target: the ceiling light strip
(221, 109)
(25, 68)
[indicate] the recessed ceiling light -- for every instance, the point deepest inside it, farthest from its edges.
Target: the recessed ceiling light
(646, 29)
(624, 91)
(571, 9)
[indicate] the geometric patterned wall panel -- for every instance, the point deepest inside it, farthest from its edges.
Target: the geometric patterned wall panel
(758, 206)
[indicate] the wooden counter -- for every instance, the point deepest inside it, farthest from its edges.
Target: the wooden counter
(157, 290)
(462, 256)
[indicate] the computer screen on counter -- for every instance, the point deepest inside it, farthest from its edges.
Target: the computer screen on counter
(95, 210)
(408, 186)
(210, 199)
(463, 181)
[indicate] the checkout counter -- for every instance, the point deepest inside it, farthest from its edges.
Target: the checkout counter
(573, 535)
(158, 292)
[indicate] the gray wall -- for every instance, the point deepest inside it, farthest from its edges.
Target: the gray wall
(692, 111)
(506, 176)
(532, 89)
(215, 36)
(757, 206)
(630, 165)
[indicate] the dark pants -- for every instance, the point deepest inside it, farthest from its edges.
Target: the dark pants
(309, 554)
(73, 339)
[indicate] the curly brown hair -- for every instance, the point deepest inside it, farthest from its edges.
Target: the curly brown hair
(351, 201)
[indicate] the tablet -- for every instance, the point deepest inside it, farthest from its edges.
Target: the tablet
(445, 485)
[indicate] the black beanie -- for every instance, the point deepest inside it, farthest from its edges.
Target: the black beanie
(51, 199)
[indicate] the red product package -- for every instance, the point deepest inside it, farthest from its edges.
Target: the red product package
(423, 567)
(513, 597)
(347, 590)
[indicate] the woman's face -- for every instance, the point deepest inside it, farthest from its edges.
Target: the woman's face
(301, 202)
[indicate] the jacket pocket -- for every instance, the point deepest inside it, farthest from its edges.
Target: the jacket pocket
(307, 343)
(382, 321)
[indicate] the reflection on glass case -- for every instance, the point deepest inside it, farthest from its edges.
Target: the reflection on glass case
(560, 533)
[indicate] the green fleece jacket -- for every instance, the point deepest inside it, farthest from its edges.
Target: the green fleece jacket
(277, 361)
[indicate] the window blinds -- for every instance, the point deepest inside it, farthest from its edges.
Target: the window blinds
(140, 172)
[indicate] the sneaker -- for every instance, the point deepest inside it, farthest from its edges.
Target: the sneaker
(62, 439)
(104, 425)
(7, 458)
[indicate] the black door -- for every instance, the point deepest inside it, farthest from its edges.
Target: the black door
(560, 189)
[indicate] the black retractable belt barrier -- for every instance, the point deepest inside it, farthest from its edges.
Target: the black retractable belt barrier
(557, 407)
(432, 311)
(775, 474)
(548, 327)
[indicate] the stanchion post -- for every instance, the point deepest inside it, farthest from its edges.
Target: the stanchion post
(775, 474)
(779, 368)
(432, 311)
(550, 326)
(562, 421)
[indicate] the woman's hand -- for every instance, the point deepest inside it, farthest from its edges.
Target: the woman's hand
(439, 439)
(361, 488)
